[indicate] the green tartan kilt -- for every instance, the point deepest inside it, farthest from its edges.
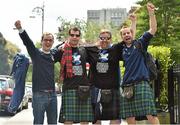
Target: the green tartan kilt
(141, 104)
(74, 110)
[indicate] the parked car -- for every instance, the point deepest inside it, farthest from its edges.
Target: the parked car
(29, 91)
(25, 99)
(58, 88)
(7, 85)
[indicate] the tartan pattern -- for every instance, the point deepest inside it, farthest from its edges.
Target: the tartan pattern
(66, 60)
(72, 109)
(110, 111)
(105, 111)
(141, 104)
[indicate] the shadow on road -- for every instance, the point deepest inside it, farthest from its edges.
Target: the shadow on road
(4, 114)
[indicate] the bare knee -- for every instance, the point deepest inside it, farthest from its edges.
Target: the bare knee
(84, 123)
(68, 123)
(114, 122)
(131, 120)
(153, 119)
(98, 122)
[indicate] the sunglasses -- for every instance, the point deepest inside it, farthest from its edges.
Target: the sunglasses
(72, 35)
(48, 40)
(104, 38)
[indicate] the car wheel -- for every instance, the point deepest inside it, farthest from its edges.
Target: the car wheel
(26, 106)
(10, 113)
(20, 108)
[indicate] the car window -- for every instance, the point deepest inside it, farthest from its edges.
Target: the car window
(3, 84)
(11, 83)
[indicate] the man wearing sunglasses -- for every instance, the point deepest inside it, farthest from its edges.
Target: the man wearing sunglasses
(74, 37)
(105, 39)
(105, 76)
(104, 69)
(73, 73)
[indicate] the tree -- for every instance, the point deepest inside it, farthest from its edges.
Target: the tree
(93, 29)
(167, 36)
(168, 16)
(90, 30)
(7, 52)
(65, 25)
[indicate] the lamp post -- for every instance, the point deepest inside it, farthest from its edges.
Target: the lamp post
(39, 11)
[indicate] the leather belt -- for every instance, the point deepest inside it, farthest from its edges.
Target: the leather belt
(47, 91)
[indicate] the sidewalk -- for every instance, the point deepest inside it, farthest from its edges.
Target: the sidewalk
(25, 117)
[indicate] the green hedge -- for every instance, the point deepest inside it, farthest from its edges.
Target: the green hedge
(163, 55)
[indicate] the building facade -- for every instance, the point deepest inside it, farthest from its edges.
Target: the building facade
(116, 16)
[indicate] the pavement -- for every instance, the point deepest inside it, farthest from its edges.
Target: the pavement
(25, 117)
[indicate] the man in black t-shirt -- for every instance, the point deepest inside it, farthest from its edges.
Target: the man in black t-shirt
(74, 75)
(105, 75)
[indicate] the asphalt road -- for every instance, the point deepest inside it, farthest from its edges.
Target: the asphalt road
(25, 117)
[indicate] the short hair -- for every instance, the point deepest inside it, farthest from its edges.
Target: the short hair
(74, 29)
(46, 34)
(123, 27)
(105, 31)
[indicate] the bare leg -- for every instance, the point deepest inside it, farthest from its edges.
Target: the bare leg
(114, 122)
(153, 119)
(84, 123)
(131, 120)
(98, 122)
(68, 123)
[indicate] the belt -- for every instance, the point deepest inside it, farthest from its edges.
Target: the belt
(47, 91)
(133, 83)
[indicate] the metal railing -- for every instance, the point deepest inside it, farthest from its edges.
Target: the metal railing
(174, 94)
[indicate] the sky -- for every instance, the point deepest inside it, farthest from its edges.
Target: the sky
(12, 10)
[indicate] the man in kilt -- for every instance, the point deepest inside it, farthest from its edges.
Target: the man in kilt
(104, 65)
(105, 76)
(73, 73)
(138, 101)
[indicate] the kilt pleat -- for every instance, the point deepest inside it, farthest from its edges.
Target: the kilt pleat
(106, 111)
(72, 109)
(141, 104)
(110, 110)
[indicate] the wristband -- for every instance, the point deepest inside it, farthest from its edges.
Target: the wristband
(151, 14)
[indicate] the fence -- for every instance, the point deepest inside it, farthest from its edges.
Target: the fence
(174, 94)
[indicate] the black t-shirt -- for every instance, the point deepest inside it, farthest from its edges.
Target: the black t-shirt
(104, 66)
(79, 70)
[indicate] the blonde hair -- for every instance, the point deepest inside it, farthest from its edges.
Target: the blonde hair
(124, 27)
(105, 31)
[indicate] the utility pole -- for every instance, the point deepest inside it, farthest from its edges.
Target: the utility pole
(39, 11)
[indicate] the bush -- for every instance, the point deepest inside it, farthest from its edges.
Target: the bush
(163, 55)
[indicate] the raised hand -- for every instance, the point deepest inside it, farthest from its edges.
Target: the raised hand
(17, 24)
(132, 17)
(151, 8)
(152, 18)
